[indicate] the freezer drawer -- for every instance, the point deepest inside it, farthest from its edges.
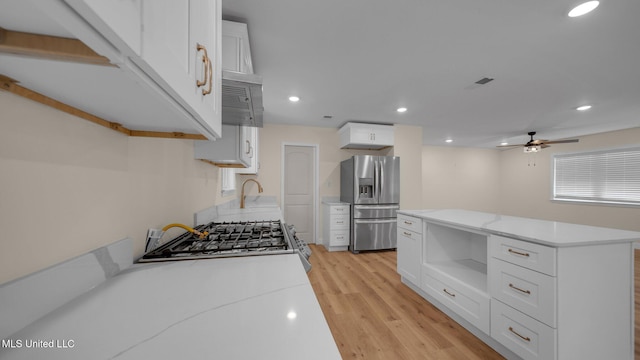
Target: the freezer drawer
(373, 234)
(375, 211)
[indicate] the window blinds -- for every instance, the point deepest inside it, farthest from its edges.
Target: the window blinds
(608, 176)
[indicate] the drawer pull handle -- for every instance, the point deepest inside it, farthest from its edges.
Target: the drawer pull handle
(408, 222)
(339, 222)
(518, 253)
(448, 293)
(520, 336)
(406, 233)
(517, 288)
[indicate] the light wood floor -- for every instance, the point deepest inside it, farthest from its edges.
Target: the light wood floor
(372, 315)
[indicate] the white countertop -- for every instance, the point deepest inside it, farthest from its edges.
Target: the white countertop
(551, 233)
(225, 308)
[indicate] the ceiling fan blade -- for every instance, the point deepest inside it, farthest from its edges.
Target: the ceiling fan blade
(562, 141)
(544, 146)
(506, 146)
(537, 142)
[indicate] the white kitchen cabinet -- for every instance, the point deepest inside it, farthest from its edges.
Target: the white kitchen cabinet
(531, 289)
(366, 136)
(252, 134)
(234, 149)
(336, 225)
(181, 50)
(153, 45)
(120, 21)
(236, 52)
(409, 248)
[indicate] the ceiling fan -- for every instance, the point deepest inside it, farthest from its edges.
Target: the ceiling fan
(537, 145)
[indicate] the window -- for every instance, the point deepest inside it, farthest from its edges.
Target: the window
(228, 177)
(606, 176)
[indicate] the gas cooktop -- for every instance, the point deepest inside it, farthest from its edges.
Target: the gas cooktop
(223, 239)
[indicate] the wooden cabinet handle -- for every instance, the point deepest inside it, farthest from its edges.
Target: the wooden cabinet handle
(518, 335)
(210, 79)
(205, 61)
(448, 293)
(517, 288)
(518, 253)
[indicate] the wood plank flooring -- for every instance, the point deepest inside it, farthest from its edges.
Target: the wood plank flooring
(372, 315)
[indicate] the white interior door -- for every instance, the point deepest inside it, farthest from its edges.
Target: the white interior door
(299, 189)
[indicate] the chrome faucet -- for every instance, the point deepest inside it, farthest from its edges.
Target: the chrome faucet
(242, 194)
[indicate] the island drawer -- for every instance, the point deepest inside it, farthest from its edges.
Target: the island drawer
(470, 305)
(526, 290)
(528, 338)
(410, 223)
(526, 254)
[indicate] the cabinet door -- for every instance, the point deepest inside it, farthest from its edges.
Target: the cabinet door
(118, 20)
(246, 150)
(383, 136)
(361, 135)
(181, 46)
(409, 251)
(236, 53)
(253, 152)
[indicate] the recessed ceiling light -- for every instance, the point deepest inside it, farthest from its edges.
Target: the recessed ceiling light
(583, 107)
(401, 109)
(294, 98)
(449, 140)
(583, 8)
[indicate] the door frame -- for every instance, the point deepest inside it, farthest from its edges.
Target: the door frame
(316, 172)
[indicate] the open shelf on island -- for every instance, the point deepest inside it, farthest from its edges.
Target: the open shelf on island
(457, 253)
(467, 271)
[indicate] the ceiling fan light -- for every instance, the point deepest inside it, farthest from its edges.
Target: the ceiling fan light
(532, 149)
(583, 8)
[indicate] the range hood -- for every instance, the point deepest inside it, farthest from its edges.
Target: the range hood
(241, 99)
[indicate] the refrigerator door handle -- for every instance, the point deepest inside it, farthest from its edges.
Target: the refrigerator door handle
(370, 221)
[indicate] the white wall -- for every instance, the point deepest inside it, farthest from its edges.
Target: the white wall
(68, 186)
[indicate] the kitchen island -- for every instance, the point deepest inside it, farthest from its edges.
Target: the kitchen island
(529, 288)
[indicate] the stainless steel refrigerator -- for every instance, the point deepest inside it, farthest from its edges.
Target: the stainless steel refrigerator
(371, 184)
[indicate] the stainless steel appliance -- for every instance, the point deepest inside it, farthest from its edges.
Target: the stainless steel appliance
(238, 238)
(371, 184)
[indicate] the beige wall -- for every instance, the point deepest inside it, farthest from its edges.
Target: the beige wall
(462, 178)
(513, 183)
(408, 144)
(526, 189)
(68, 186)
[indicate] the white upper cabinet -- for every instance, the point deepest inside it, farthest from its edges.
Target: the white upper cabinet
(119, 21)
(166, 78)
(366, 136)
(181, 51)
(234, 150)
(236, 52)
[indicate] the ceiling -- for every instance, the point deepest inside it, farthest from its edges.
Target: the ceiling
(359, 60)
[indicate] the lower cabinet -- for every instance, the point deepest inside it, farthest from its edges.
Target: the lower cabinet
(336, 226)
